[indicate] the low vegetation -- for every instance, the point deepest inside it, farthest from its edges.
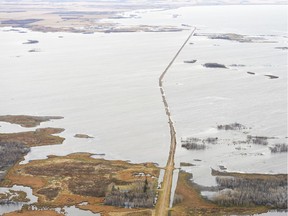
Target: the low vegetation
(185, 164)
(77, 178)
(259, 140)
(278, 148)
(240, 194)
(193, 146)
(39, 137)
(239, 191)
(142, 194)
(214, 65)
(13, 196)
(82, 136)
(14, 146)
(233, 126)
(234, 37)
(10, 153)
(27, 121)
(192, 143)
(190, 61)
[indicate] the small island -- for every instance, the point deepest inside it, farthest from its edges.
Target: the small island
(31, 42)
(190, 61)
(26, 120)
(214, 65)
(83, 136)
(272, 76)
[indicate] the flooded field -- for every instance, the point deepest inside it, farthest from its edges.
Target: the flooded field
(106, 86)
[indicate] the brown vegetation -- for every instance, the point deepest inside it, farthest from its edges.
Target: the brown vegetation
(182, 164)
(188, 200)
(142, 194)
(27, 121)
(13, 196)
(249, 175)
(82, 136)
(77, 178)
(33, 213)
(39, 137)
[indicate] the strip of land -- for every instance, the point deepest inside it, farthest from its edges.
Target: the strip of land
(164, 195)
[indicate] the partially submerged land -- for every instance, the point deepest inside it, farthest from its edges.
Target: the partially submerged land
(234, 194)
(236, 37)
(14, 146)
(39, 137)
(27, 121)
(101, 185)
(73, 179)
(82, 136)
(77, 178)
(81, 17)
(88, 17)
(195, 143)
(13, 196)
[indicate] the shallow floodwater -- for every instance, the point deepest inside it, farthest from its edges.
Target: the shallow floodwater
(17, 206)
(106, 85)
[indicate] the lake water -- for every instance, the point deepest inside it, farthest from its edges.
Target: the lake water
(106, 85)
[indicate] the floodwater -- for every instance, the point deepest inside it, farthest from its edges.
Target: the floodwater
(17, 206)
(106, 85)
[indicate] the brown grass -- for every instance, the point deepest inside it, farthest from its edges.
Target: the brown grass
(193, 204)
(33, 213)
(39, 137)
(27, 121)
(250, 175)
(65, 181)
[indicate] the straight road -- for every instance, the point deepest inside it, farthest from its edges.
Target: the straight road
(163, 201)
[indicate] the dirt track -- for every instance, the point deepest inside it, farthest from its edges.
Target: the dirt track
(163, 202)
